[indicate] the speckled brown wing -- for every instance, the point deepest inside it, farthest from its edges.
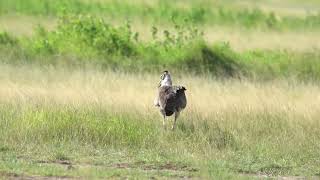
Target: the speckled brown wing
(180, 97)
(167, 100)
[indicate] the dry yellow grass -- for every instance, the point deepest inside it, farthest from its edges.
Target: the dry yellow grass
(24, 25)
(281, 8)
(246, 40)
(125, 92)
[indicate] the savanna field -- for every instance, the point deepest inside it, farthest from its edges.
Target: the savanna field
(78, 79)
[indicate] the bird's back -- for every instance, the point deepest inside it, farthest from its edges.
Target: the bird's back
(181, 100)
(172, 99)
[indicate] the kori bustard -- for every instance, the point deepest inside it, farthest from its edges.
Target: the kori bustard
(170, 99)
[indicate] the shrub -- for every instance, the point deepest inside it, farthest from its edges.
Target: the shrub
(81, 40)
(84, 36)
(6, 39)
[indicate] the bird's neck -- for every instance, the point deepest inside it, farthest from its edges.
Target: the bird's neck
(166, 82)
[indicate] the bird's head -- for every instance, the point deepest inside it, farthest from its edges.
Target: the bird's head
(165, 79)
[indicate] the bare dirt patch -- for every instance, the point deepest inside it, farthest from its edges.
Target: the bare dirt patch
(159, 167)
(9, 175)
(125, 165)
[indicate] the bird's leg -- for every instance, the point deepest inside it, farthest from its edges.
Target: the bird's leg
(164, 122)
(176, 115)
(156, 102)
(164, 118)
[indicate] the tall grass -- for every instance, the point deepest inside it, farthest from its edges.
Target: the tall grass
(270, 128)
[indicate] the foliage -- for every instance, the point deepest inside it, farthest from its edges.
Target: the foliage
(84, 36)
(6, 39)
(81, 40)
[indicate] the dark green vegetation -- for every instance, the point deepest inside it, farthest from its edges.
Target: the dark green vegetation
(85, 40)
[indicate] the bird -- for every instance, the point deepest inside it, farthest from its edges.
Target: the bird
(170, 99)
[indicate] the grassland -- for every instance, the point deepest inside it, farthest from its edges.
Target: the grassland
(78, 79)
(61, 122)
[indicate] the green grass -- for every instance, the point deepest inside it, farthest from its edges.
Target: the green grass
(38, 139)
(200, 13)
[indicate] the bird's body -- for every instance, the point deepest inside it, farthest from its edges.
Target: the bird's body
(171, 99)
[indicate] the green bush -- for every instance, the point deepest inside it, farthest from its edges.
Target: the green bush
(84, 36)
(81, 40)
(6, 39)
